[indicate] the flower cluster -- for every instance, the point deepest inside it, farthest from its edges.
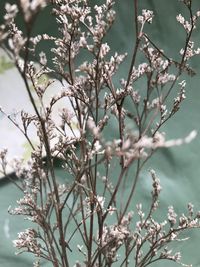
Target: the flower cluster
(160, 234)
(114, 237)
(27, 241)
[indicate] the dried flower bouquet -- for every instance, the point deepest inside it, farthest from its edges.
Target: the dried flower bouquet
(92, 201)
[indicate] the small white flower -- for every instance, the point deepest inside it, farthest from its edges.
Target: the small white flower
(104, 50)
(180, 19)
(101, 201)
